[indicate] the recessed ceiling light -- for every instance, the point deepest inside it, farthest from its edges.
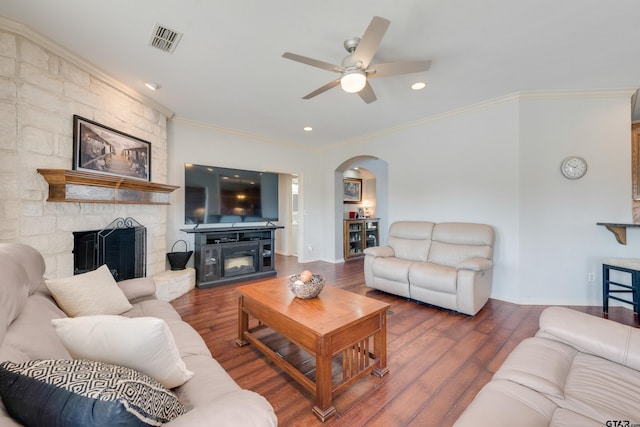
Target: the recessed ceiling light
(418, 85)
(307, 128)
(152, 86)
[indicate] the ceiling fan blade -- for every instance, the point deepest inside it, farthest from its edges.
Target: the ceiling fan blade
(370, 41)
(367, 94)
(322, 89)
(395, 68)
(313, 62)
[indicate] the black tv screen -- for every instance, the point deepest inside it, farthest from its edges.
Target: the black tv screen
(221, 195)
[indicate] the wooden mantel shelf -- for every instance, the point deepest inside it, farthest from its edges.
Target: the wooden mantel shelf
(619, 230)
(88, 187)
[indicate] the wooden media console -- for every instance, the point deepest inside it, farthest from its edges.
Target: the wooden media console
(232, 254)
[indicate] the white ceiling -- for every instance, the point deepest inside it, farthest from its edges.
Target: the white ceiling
(227, 70)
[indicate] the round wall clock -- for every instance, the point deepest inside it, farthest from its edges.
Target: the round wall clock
(573, 167)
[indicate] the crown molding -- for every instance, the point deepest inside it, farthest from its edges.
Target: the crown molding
(515, 96)
(579, 93)
(511, 97)
(420, 122)
(57, 49)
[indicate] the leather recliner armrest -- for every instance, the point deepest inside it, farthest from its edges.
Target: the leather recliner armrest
(380, 251)
(137, 289)
(475, 264)
(592, 334)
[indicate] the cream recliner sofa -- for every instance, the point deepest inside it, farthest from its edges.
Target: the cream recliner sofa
(447, 264)
(27, 308)
(578, 370)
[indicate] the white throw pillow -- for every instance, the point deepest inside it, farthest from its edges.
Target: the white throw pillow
(145, 344)
(91, 293)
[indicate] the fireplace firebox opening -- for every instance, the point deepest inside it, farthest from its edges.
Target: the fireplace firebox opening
(240, 260)
(122, 246)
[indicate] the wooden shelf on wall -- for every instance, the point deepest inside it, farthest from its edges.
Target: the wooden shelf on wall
(88, 187)
(619, 230)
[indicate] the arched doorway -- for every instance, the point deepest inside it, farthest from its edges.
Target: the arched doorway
(374, 173)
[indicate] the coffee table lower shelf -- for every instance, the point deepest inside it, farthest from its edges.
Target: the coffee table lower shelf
(347, 366)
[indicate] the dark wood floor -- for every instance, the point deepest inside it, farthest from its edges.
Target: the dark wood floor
(438, 360)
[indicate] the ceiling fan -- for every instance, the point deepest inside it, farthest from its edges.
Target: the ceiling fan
(356, 68)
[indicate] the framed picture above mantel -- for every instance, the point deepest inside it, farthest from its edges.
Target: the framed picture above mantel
(352, 190)
(101, 149)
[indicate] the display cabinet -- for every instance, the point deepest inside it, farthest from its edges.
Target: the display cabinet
(359, 234)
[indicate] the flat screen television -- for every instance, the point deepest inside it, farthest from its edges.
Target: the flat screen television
(221, 195)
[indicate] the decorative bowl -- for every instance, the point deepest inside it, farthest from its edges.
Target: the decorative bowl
(306, 290)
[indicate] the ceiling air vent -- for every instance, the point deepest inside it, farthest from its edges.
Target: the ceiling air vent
(164, 38)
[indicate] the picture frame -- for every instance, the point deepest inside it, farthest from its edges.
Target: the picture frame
(101, 149)
(352, 190)
(361, 213)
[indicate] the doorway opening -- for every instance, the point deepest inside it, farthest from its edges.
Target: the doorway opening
(290, 205)
(374, 197)
(293, 235)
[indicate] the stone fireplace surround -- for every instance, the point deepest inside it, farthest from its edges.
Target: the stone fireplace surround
(42, 85)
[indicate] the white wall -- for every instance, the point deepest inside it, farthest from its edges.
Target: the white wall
(560, 242)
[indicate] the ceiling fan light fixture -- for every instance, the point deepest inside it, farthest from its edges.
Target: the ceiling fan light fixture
(353, 81)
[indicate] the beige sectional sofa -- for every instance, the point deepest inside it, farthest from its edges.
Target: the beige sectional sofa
(448, 264)
(578, 370)
(34, 350)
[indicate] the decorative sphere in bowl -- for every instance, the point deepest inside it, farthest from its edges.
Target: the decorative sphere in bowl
(306, 276)
(305, 290)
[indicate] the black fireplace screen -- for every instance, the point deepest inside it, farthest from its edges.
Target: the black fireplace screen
(122, 245)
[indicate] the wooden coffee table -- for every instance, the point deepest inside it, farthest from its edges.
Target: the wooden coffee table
(337, 328)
